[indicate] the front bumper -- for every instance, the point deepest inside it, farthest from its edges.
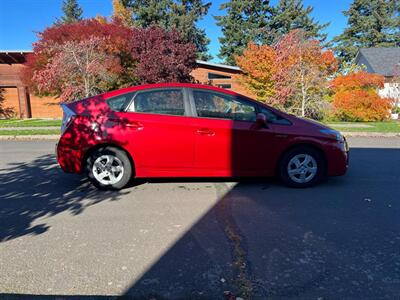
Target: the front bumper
(338, 159)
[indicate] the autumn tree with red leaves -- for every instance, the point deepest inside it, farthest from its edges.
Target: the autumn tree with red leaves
(356, 98)
(291, 75)
(102, 56)
(305, 70)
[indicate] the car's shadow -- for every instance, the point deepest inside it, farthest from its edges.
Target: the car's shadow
(339, 240)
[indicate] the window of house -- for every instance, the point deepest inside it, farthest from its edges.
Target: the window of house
(218, 76)
(215, 105)
(227, 86)
(167, 102)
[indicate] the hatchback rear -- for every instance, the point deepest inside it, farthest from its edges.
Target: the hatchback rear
(190, 130)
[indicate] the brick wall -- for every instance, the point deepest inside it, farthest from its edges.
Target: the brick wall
(201, 75)
(45, 107)
(41, 107)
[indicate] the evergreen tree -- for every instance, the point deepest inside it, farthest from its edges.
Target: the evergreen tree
(371, 23)
(289, 15)
(243, 22)
(180, 14)
(72, 11)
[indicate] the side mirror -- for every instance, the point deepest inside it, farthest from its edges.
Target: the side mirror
(261, 121)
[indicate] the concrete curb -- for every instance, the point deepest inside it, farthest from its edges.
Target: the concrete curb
(371, 134)
(50, 137)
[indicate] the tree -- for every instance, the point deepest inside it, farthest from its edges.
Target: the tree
(72, 11)
(181, 15)
(77, 69)
(371, 23)
(116, 43)
(116, 56)
(243, 23)
(122, 13)
(356, 98)
(306, 70)
(289, 15)
(259, 64)
(162, 56)
(292, 75)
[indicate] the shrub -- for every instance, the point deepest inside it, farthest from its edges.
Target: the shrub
(356, 98)
(360, 105)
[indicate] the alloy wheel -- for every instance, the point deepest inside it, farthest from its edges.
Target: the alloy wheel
(302, 168)
(108, 169)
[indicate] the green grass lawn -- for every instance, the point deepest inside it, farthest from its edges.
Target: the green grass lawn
(29, 123)
(392, 126)
(387, 126)
(29, 132)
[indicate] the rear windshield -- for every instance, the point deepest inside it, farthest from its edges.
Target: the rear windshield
(120, 102)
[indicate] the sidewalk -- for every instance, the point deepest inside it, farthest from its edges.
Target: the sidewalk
(56, 136)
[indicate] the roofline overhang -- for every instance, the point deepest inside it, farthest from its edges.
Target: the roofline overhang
(216, 65)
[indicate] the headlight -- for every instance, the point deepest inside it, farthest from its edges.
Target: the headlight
(333, 134)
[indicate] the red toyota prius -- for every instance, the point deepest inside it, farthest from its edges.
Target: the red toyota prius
(192, 130)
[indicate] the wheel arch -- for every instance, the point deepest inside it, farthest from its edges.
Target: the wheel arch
(112, 145)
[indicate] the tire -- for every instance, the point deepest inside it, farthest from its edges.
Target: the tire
(302, 167)
(112, 164)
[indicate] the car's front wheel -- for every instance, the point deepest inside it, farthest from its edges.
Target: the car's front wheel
(109, 168)
(302, 167)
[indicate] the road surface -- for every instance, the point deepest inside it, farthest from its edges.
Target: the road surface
(195, 239)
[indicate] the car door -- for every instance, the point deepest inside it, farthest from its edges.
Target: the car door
(159, 132)
(227, 141)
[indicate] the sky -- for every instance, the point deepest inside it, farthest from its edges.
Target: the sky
(20, 20)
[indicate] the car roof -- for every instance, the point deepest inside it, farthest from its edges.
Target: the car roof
(169, 85)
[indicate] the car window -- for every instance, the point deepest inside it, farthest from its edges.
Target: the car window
(118, 103)
(215, 105)
(167, 102)
(273, 117)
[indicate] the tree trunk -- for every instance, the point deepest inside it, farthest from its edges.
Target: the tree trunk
(303, 95)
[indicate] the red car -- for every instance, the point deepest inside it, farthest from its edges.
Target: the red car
(191, 130)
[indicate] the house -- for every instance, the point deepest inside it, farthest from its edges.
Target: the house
(384, 61)
(25, 104)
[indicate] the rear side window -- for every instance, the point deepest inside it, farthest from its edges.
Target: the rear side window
(166, 102)
(120, 102)
(215, 105)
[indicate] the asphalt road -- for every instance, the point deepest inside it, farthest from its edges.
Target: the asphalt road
(197, 239)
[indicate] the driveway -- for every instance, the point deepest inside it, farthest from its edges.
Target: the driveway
(196, 239)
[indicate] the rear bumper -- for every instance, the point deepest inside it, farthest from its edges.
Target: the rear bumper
(70, 160)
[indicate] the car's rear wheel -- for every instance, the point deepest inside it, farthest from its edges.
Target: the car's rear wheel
(302, 167)
(109, 168)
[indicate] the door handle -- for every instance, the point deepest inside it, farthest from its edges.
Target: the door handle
(133, 124)
(205, 131)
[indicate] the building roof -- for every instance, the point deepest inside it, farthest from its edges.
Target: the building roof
(380, 60)
(217, 66)
(13, 56)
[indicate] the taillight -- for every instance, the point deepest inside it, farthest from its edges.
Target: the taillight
(68, 116)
